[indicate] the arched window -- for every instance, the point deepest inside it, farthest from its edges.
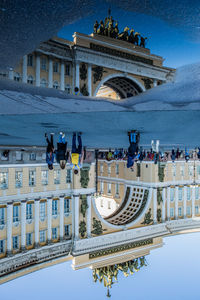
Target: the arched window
(17, 76)
(43, 82)
(55, 85)
(30, 79)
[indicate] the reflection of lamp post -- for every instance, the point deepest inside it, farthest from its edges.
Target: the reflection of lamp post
(96, 157)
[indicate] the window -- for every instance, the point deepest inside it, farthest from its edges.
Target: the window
(101, 187)
(101, 168)
(188, 210)
(197, 193)
(180, 194)
(67, 230)
(31, 178)
(15, 213)
(30, 79)
(42, 236)
(190, 170)
(117, 169)
(182, 170)
(30, 60)
(196, 210)
(172, 194)
(2, 215)
(19, 155)
(109, 188)
(188, 193)
(54, 233)
(55, 67)
(15, 242)
(55, 85)
(32, 156)
(43, 64)
(42, 210)
(109, 204)
(29, 211)
(68, 89)
(109, 169)
(174, 170)
(54, 207)
(180, 211)
(69, 176)
(44, 177)
(18, 179)
(4, 180)
(117, 188)
(43, 82)
(2, 246)
(17, 77)
(66, 206)
(56, 176)
(67, 70)
(171, 212)
(29, 239)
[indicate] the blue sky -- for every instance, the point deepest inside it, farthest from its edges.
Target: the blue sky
(177, 47)
(172, 273)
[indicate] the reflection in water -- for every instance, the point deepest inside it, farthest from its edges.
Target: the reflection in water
(109, 275)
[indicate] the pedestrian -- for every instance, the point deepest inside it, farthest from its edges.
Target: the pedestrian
(133, 148)
(50, 151)
(76, 157)
(198, 153)
(76, 92)
(61, 152)
(187, 155)
(173, 155)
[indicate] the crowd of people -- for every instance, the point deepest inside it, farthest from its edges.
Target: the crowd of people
(74, 157)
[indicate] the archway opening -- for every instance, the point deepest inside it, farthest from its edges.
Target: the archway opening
(118, 88)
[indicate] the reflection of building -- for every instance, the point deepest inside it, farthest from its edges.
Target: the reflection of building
(98, 65)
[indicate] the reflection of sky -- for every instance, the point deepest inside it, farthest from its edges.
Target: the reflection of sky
(172, 273)
(165, 40)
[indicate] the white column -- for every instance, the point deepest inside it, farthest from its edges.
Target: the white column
(49, 219)
(88, 215)
(76, 216)
(11, 74)
(168, 203)
(61, 218)
(155, 82)
(9, 227)
(163, 204)
(37, 70)
(176, 202)
(184, 201)
(155, 206)
(50, 84)
(193, 201)
(24, 69)
(77, 75)
(37, 211)
(90, 79)
(23, 224)
(62, 77)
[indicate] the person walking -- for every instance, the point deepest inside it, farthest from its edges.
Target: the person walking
(187, 155)
(61, 152)
(133, 148)
(50, 151)
(77, 92)
(77, 153)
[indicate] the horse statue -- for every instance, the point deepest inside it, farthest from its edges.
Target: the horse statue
(96, 25)
(124, 35)
(101, 28)
(143, 41)
(131, 36)
(136, 38)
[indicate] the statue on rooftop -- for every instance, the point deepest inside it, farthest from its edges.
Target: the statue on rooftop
(143, 41)
(96, 25)
(136, 38)
(101, 29)
(110, 27)
(124, 34)
(131, 36)
(116, 30)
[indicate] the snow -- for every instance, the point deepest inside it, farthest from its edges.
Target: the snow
(181, 94)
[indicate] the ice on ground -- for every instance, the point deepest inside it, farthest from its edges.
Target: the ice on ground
(181, 94)
(21, 98)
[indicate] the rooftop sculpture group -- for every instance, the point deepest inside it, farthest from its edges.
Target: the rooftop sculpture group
(109, 28)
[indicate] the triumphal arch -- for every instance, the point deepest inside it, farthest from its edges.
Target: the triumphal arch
(106, 63)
